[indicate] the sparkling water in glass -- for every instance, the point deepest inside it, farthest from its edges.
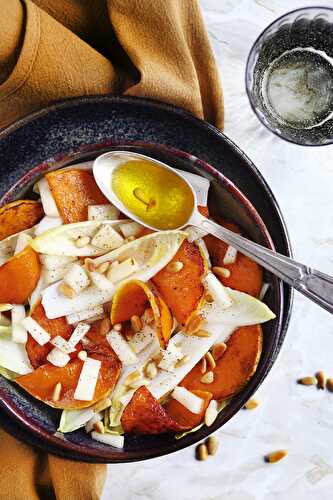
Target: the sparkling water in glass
(289, 76)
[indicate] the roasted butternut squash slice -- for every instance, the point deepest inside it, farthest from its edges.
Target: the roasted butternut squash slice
(185, 417)
(40, 383)
(245, 274)
(182, 290)
(73, 191)
(235, 368)
(19, 277)
(59, 326)
(145, 415)
(132, 299)
(19, 216)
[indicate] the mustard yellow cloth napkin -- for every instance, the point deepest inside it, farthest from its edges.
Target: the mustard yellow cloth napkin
(54, 49)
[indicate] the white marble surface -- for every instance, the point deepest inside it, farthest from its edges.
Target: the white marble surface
(290, 416)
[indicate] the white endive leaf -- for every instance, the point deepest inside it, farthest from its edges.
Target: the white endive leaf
(71, 420)
(13, 357)
(62, 240)
(151, 252)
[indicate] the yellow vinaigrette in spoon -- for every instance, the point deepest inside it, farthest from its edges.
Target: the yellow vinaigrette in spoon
(154, 194)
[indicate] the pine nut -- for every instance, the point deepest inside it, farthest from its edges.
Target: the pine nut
(136, 323)
(151, 370)
(132, 377)
(221, 272)
(102, 405)
(276, 456)
(102, 268)
(82, 355)
(209, 298)
(175, 267)
(194, 324)
(82, 241)
(210, 414)
(183, 361)
(130, 238)
(99, 427)
(157, 357)
(117, 327)
(201, 452)
(56, 392)
(203, 365)
(307, 381)
(329, 384)
(148, 316)
(67, 291)
(207, 378)
(105, 326)
(89, 264)
(218, 350)
(202, 333)
(210, 360)
(251, 404)
(212, 445)
(321, 379)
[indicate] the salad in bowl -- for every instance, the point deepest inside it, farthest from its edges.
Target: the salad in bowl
(124, 330)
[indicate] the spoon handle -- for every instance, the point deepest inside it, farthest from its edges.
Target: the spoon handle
(314, 284)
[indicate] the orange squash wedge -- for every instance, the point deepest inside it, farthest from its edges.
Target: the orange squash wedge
(145, 415)
(132, 299)
(245, 274)
(185, 417)
(42, 381)
(183, 290)
(59, 326)
(19, 277)
(19, 216)
(73, 191)
(235, 368)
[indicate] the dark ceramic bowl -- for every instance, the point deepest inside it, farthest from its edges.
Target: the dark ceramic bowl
(134, 124)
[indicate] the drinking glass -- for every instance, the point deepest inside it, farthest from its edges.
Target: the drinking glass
(289, 76)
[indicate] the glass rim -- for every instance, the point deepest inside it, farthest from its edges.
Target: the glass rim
(259, 115)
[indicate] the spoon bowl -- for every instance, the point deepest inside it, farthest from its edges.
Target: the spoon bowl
(106, 166)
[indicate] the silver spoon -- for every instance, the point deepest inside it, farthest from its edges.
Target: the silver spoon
(314, 284)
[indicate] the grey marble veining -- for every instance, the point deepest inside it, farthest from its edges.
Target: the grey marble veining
(290, 416)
